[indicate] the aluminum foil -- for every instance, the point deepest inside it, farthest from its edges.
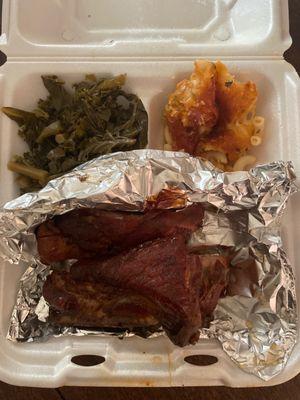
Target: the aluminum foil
(256, 322)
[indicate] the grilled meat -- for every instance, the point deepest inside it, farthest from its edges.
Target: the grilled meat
(159, 283)
(88, 232)
(183, 288)
(133, 271)
(88, 304)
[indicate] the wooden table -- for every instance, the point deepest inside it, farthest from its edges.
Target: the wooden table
(286, 391)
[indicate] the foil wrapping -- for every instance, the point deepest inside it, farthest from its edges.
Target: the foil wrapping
(256, 322)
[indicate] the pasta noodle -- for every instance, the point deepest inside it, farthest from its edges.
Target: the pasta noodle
(258, 123)
(168, 147)
(212, 115)
(168, 137)
(217, 156)
(243, 162)
(255, 140)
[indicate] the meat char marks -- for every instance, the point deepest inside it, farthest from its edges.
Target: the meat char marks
(90, 232)
(87, 304)
(133, 271)
(161, 279)
(163, 272)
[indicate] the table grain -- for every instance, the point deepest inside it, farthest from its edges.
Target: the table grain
(287, 391)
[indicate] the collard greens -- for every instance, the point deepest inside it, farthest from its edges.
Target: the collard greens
(68, 128)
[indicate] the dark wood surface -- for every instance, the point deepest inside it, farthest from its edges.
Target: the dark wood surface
(286, 391)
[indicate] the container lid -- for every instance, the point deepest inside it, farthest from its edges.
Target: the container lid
(144, 28)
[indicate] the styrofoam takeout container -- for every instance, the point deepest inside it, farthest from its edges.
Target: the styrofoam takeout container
(155, 42)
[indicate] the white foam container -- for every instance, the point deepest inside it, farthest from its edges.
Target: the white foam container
(155, 42)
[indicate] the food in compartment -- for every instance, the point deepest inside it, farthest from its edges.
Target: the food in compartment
(88, 232)
(212, 115)
(70, 127)
(160, 280)
(132, 270)
(95, 304)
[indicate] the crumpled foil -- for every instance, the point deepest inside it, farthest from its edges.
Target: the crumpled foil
(256, 322)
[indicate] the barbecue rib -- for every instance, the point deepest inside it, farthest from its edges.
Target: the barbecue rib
(160, 277)
(88, 304)
(172, 288)
(165, 273)
(134, 270)
(88, 232)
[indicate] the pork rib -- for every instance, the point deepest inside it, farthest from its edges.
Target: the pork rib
(89, 304)
(88, 232)
(161, 271)
(159, 283)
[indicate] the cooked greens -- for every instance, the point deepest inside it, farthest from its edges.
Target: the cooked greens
(69, 128)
